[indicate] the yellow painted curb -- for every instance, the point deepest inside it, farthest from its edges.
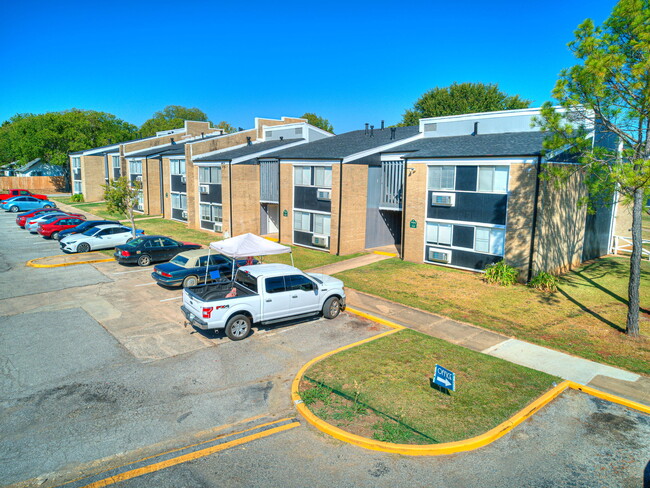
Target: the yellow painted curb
(374, 319)
(272, 239)
(447, 447)
(34, 264)
(382, 253)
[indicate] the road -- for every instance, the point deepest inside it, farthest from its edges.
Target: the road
(99, 373)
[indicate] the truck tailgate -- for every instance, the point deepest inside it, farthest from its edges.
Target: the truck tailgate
(192, 304)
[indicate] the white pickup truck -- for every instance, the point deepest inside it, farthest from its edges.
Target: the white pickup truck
(264, 294)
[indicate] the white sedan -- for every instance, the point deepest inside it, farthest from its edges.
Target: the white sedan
(101, 237)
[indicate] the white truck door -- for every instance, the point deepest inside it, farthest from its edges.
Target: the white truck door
(304, 297)
(276, 300)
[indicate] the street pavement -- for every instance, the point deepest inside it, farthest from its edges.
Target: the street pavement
(98, 372)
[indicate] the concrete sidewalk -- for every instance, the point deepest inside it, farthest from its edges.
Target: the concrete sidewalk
(606, 378)
(330, 269)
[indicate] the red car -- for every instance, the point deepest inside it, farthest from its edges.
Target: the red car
(21, 193)
(52, 229)
(22, 218)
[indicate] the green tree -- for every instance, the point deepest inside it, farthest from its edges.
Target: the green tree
(319, 122)
(463, 98)
(609, 92)
(122, 197)
(53, 135)
(226, 127)
(171, 117)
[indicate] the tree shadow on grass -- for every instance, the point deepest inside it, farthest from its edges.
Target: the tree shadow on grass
(590, 312)
(599, 269)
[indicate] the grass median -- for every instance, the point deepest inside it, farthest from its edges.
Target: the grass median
(382, 390)
(585, 317)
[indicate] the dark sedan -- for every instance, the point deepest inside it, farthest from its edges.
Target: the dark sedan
(151, 249)
(88, 224)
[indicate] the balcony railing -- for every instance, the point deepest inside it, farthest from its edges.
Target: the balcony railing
(270, 181)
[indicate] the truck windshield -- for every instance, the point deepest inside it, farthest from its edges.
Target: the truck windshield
(246, 280)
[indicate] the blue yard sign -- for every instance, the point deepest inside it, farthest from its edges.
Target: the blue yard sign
(444, 378)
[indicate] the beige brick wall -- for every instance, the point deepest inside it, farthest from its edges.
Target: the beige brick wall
(209, 145)
(286, 203)
(415, 209)
(561, 226)
(151, 186)
(92, 178)
(623, 221)
(225, 198)
(334, 221)
(354, 203)
(193, 196)
(194, 128)
(519, 220)
(245, 199)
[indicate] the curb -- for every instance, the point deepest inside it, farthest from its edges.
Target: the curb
(447, 447)
(384, 253)
(33, 262)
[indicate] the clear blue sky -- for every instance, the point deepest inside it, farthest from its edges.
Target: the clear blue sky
(350, 62)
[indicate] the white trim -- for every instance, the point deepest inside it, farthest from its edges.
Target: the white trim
(487, 161)
(305, 210)
(460, 222)
(266, 151)
(393, 156)
(309, 162)
(322, 249)
(378, 149)
(487, 115)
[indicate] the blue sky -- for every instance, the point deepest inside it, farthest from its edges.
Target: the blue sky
(350, 62)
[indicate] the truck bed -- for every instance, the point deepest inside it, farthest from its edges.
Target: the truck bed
(217, 291)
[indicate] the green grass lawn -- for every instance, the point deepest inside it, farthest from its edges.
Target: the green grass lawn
(645, 224)
(382, 390)
(586, 317)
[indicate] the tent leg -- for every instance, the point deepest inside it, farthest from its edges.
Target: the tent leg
(291, 254)
(207, 263)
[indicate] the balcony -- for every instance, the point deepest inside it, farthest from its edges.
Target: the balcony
(392, 184)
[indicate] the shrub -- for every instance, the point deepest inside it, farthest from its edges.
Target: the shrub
(77, 197)
(544, 281)
(501, 273)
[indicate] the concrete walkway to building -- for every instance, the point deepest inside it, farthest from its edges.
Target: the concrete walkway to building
(352, 263)
(601, 376)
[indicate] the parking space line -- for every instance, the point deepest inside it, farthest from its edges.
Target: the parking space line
(174, 298)
(148, 284)
(133, 271)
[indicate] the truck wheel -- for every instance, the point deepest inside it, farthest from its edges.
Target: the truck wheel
(332, 308)
(238, 327)
(190, 281)
(13, 209)
(144, 260)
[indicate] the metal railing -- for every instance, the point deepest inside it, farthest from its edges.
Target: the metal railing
(392, 181)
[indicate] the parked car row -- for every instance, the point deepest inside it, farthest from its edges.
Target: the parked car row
(22, 203)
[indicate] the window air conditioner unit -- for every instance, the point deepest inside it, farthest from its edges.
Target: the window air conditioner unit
(439, 256)
(320, 241)
(183, 179)
(204, 189)
(184, 214)
(218, 226)
(324, 194)
(443, 199)
(138, 178)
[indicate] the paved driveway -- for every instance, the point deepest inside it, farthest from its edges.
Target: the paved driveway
(98, 372)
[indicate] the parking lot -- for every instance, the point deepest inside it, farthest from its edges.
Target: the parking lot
(99, 371)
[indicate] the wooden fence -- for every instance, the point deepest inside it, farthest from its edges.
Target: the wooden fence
(36, 184)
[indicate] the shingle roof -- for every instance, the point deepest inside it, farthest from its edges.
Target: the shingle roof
(26, 167)
(342, 145)
(246, 150)
(505, 144)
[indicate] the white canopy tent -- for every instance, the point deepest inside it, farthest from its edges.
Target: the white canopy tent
(246, 245)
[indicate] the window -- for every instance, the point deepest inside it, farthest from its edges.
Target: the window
(489, 240)
(179, 200)
(493, 179)
(275, 284)
(322, 224)
(442, 177)
(210, 175)
(205, 212)
(217, 213)
(301, 221)
(116, 162)
(439, 233)
(76, 163)
(247, 281)
(323, 176)
(212, 213)
(299, 282)
(77, 187)
(302, 175)
(177, 166)
(135, 167)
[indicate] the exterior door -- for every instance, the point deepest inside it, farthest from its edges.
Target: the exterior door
(273, 216)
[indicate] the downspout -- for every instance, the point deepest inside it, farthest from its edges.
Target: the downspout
(338, 237)
(162, 188)
(230, 194)
(534, 223)
(401, 247)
